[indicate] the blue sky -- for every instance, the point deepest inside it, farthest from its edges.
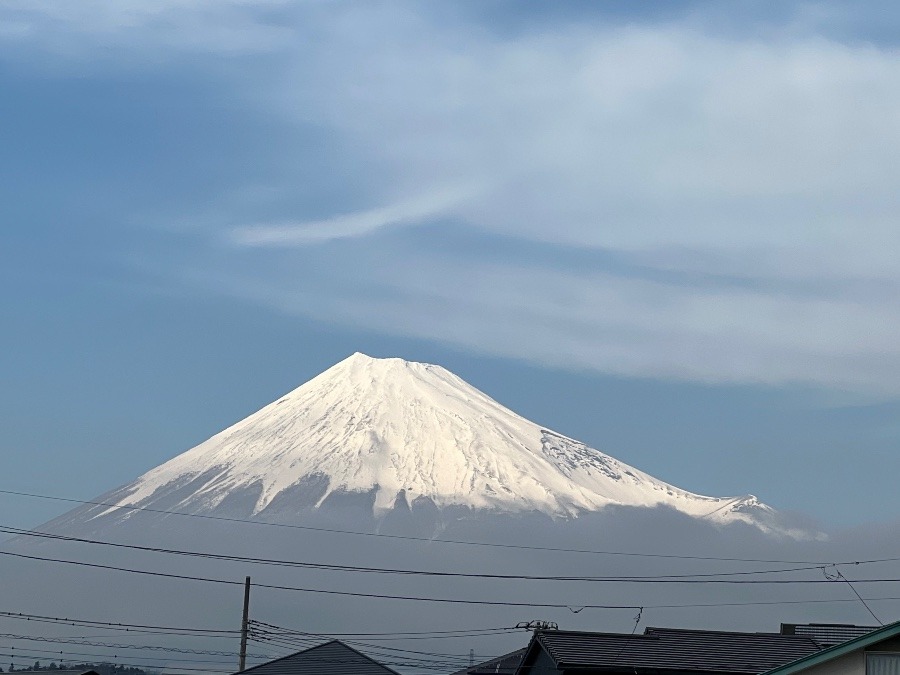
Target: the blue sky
(668, 229)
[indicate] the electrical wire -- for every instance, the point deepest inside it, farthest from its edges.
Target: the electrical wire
(381, 570)
(116, 657)
(384, 648)
(166, 630)
(461, 542)
(456, 662)
(295, 631)
(181, 631)
(292, 641)
(461, 601)
(412, 658)
(380, 637)
(856, 593)
(156, 648)
(661, 579)
(120, 663)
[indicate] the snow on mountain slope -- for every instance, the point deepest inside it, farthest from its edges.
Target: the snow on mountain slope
(389, 425)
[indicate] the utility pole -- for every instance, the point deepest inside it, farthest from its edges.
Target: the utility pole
(245, 623)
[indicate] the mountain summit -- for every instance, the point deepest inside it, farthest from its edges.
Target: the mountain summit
(404, 433)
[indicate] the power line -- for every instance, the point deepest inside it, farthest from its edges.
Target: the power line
(39, 654)
(131, 631)
(461, 542)
(183, 631)
(413, 658)
(839, 575)
(155, 648)
(420, 659)
(290, 639)
(381, 570)
(231, 582)
(660, 579)
(117, 662)
(391, 633)
(204, 632)
(116, 657)
(410, 635)
(462, 601)
(313, 637)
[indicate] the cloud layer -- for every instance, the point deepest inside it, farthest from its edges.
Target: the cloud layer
(649, 198)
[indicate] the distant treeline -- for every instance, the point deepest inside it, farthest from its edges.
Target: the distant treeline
(102, 668)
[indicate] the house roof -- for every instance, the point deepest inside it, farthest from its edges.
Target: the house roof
(827, 634)
(501, 665)
(331, 658)
(863, 641)
(669, 649)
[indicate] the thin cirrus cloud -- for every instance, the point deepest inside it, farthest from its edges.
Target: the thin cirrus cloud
(711, 156)
(765, 156)
(352, 225)
(594, 320)
(637, 137)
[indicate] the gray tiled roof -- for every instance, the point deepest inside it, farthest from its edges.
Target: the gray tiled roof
(669, 649)
(827, 634)
(501, 665)
(331, 658)
(827, 657)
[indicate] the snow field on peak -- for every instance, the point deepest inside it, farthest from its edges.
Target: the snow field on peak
(391, 425)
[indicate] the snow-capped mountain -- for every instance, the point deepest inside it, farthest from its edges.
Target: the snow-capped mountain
(402, 432)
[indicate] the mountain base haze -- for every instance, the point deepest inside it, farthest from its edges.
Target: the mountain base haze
(377, 484)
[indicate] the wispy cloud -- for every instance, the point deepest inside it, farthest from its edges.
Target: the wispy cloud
(767, 155)
(351, 225)
(595, 320)
(133, 31)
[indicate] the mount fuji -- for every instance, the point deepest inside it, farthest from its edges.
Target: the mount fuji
(390, 434)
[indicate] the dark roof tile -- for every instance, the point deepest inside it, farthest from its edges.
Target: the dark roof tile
(827, 634)
(507, 664)
(676, 649)
(331, 658)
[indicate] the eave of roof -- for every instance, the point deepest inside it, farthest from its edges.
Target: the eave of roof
(885, 633)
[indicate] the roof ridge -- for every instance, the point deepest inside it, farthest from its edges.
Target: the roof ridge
(585, 632)
(365, 656)
(319, 646)
(720, 632)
